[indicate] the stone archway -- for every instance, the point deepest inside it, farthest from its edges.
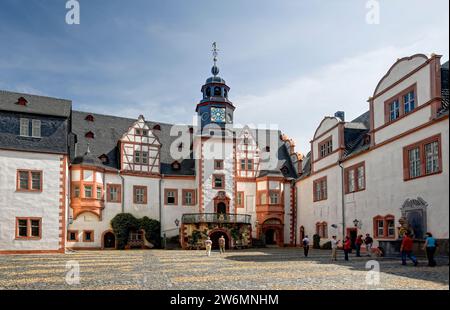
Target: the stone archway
(216, 234)
(273, 229)
(109, 241)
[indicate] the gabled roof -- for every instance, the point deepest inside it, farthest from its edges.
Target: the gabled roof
(35, 104)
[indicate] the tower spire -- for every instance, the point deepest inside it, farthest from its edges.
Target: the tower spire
(215, 52)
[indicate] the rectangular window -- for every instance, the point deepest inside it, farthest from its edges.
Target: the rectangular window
(88, 236)
(414, 162)
(171, 196)
(263, 198)
(188, 197)
(250, 164)
(137, 157)
(394, 110)
(36, 128)
(23, 228)
(274, 198)
(361, 177)
(138, 132)
(72, 235)
(28, 180)
(432, 157)
(380, 228)
(144, 157)
(76, 192)
(422, 158)
(28, 228)
(140, 194)
(243, 165)
(145, 133)
(400, 104)
(24, 180)
(409, 101)
(25, 127)
(320, 189)
(390, 228)
(87, 191)
(218, 164)
(114, 192)
(355, 178)
(351, 180)
(218, 181)
(240, 199)
(326, 147)
(99, 193)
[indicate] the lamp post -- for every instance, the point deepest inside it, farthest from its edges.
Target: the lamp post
(356, 222)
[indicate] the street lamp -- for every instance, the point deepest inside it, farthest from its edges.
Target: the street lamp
(356, 223)
(177, 222)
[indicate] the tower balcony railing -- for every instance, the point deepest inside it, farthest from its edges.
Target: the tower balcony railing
(195, 218)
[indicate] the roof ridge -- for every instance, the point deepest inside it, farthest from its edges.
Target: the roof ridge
(27, 94)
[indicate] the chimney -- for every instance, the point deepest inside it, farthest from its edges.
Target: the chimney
(340, 115)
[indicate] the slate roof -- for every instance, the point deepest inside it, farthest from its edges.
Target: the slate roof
(39, 105)
(109, 129)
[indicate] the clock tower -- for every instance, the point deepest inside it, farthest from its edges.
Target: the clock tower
(214, 110)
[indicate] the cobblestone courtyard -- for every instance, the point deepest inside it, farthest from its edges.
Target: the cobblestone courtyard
(245, 269)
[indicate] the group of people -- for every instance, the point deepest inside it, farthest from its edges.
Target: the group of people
(208, 245)
(406, 248)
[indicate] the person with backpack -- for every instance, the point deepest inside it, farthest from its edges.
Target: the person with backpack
(430, 248)
(368, 242)
(306, 246)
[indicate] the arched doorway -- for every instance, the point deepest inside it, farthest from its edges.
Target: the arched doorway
(221, 208)
(270, 236)
(109, 240)
(215, 235)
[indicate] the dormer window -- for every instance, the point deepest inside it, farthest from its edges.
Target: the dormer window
(22, 101)
(157, 127)
(284, 170)
(208, 92)
(89, 135)
(89, 118)
(326, 147)
(104, 159)
(176, 165)
(27, 131)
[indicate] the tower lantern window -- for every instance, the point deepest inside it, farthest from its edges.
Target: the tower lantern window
(217, 91)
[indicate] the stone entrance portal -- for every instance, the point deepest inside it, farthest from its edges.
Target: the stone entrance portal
(414, 211)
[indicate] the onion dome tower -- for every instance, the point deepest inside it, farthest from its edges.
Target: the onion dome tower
(215, 108)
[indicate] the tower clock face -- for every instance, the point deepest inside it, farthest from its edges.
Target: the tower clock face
(218, 115)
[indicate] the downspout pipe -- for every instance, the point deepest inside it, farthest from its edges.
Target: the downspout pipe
(342, 199)
(123, 191)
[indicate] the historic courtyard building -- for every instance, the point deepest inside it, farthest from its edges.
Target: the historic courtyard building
(65, 174)
(387, 170)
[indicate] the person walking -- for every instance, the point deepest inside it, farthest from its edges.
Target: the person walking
(208, 245)
(306, 246)
(368, 242)
(222, 244)
(347, 247)
(430, 248)
(334, 245)
(406, 249)
(358, 243)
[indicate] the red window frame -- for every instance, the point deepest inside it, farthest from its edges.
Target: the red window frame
(354, 170)
(421, 146)
(400, 97)
(30, 180)
(135, 188)
(119, 192)
(324, 143)
(214, 181)
(29, 235)
(384, 220)
(324, 193)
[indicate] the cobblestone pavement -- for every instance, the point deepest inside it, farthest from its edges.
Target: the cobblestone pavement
(244, 269)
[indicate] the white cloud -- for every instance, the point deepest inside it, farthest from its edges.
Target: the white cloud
(299, 106)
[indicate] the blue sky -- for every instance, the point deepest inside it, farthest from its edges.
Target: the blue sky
(288, 62)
